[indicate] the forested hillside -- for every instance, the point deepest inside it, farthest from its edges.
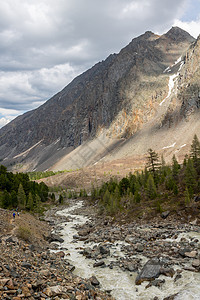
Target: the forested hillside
(16, 190)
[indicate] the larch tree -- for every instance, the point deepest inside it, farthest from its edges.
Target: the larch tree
(153, 162)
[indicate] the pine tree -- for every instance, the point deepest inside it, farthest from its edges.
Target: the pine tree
(21, 197)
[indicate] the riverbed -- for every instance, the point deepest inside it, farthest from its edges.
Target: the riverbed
(121, 282)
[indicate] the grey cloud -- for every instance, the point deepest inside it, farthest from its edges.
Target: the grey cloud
(40, 38)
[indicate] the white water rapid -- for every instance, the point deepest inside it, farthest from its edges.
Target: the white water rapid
(121, 283)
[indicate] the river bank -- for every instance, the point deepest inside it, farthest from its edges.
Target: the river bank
(30, 270)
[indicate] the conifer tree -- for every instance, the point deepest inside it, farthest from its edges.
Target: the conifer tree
(137, 196)
(106, 198)
(190, 177)
(195, 148)
(187, 196)
(21, 197)
(117, 197)
(37, 203)
(175, 167)
(195, 153)
(30, 201)
(61, 199)
(153, 162)
(151, 188)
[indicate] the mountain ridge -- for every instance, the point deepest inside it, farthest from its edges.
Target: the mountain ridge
(124, 88)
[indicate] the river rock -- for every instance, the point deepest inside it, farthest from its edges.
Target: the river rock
(94, 281)
(131, 267)
(149, 272)
(191, 254)
(99, 264)
(183, 251)
(167, 272)
(55, 238)
(196, 263)
(156, 282)
(139, 248)
(104, 250)
(83, 232)
(87, 252)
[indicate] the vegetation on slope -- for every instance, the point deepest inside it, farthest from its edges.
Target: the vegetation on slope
(159, 184)
(16, 190)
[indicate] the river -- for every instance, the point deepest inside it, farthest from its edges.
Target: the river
(122, 284)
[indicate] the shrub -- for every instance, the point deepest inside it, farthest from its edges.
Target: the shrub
(24, 233)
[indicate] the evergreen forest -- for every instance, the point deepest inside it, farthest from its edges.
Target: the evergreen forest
(158, 184)
(17, 191)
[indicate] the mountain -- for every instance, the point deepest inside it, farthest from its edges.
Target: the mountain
(102, 113)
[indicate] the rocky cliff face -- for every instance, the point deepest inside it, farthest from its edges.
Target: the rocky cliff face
(186, 99)
(118, 95)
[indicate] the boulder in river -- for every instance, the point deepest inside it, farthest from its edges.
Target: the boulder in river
(94, 281)
(149, 272)
(54, 238)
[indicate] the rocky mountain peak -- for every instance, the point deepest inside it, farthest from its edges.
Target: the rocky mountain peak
(179, 35)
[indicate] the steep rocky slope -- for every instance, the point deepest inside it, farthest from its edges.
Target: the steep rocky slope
(107, 104)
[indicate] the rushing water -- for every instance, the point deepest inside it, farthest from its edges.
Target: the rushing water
(122, 283)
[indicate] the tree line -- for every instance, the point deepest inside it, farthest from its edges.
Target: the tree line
(158, 181)
(17, 190)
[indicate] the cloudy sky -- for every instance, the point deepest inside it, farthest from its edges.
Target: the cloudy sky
(44, 44)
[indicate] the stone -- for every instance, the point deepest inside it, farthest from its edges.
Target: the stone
(99, 264)
(156, 282)
(196, 263)
(60, 254)
(83, 232)
(183, 251)
(48, 292)
(150, 271)
(26, 265)
(104, 250)
(26, 291)
(12, 239)
(140, 248)
(191, 254)
(177, 277)
(197, 198)
(55, 238)
(165, 214)
(94, 281)
(167, 272)
(131, 267)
